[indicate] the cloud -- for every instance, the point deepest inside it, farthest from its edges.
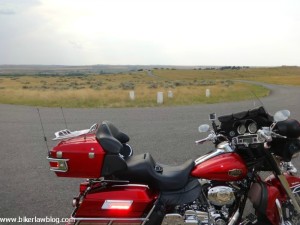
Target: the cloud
(150, 32)
(7, 12)
(75, 44)
(11, 7)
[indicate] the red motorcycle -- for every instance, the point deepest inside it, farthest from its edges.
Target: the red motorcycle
(213, 189)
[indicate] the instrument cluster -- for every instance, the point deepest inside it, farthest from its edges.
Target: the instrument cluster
(242, 127)
(244, 132)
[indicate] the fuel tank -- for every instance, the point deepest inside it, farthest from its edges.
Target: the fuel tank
(227, 166)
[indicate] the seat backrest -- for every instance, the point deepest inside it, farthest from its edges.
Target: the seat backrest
(120, 136)
(106, 139)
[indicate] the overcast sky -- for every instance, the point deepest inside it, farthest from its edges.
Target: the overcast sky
(148, 32)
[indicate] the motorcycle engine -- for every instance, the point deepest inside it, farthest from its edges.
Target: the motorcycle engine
(221, 196)
(212, 207)
(221, 199)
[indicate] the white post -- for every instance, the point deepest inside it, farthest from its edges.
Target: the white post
(160, 97)
(131, 95)
(170, 94)
(207, 93)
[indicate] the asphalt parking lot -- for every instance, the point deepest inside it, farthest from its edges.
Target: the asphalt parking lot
(28, 188)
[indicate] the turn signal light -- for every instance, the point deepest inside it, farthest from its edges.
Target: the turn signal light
(117, 204)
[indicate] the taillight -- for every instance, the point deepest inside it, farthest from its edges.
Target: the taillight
(58, 165)
(117, 204)
(83, 186)
(54, 164)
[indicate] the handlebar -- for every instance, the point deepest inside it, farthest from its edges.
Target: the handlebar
(265, 135)
(211, 137)
(268, 134)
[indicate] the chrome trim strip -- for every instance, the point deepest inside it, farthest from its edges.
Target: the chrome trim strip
(149, 214)
(206, 157)
(108, 219)
(66, 168)
(55, 170)
(131, 185)
(234, 218)
(115, 181)
(56, 159)
(173, 215)
(225, 146)
(279, 208)
(222, 148)
(102, 179)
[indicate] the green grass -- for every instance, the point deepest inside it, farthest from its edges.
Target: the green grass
(188, 87)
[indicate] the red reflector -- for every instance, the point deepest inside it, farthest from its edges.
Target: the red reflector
(117, 204)
(54, 164)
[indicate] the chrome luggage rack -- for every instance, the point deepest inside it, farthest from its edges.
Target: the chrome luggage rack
(65, 134)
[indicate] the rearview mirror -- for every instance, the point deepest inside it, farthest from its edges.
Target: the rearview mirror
(203, 128)
(281, 115)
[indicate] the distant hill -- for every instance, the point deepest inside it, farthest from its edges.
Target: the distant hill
(85, 70)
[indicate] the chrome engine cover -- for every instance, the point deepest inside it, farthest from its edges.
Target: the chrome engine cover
(221, 195)
(212, 207)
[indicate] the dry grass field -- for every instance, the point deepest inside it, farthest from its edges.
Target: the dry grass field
(188, 87)
(274, 75)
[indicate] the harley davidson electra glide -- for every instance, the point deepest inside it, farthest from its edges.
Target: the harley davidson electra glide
(213, 189)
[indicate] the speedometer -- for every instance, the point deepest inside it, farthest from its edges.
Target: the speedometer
(241, 129)
(252, 128)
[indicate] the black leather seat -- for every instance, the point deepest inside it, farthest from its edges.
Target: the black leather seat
(141, 168)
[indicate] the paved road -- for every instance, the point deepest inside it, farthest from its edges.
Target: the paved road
(29, 189)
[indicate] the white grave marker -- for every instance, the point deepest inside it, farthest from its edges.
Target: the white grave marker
(170, 94)
(131, 95)
(207, 93)
(160, 97)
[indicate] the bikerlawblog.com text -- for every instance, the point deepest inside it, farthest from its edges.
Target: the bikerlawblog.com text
(25, 219)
